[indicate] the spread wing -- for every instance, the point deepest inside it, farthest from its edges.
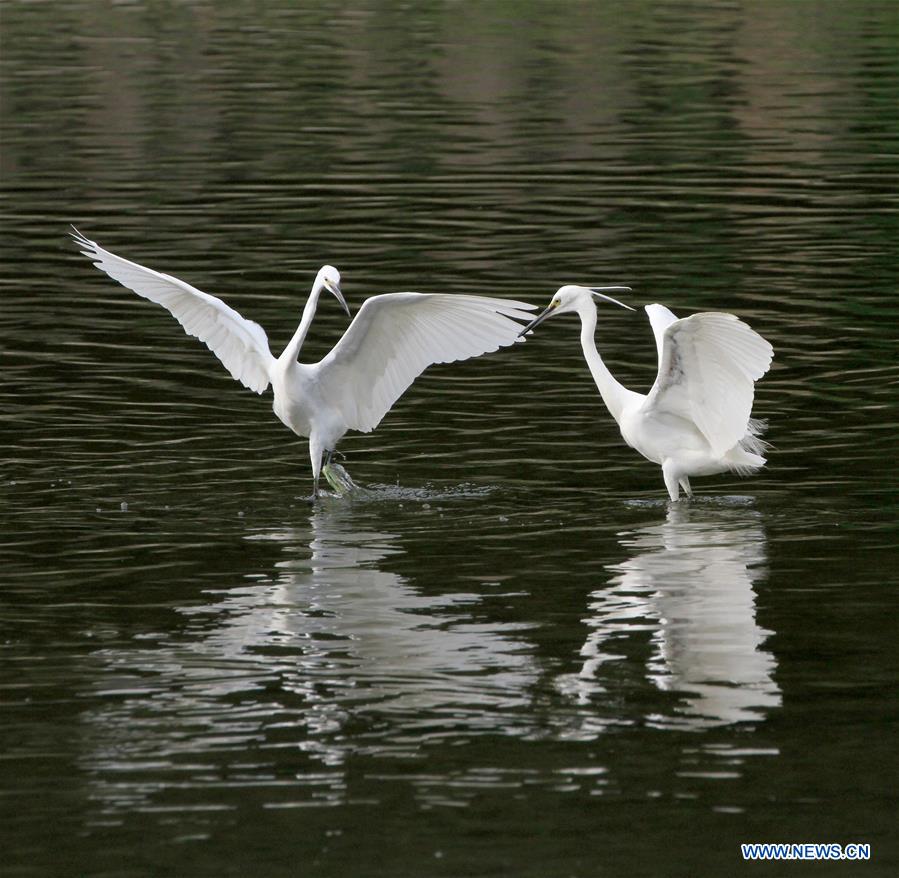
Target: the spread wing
(660, 318)
(240, 344)
(708, 366)
(395, 337)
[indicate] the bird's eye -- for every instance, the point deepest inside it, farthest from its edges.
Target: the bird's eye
(554, 303)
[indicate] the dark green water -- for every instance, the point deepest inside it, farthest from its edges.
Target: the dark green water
(511, 656)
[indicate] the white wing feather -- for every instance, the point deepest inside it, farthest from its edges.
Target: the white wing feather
(240, 344)
(660, 318)
(395, 337)
(708, 367)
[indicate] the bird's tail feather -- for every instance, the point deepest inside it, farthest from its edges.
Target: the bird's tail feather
(752, 442)
(748, 454)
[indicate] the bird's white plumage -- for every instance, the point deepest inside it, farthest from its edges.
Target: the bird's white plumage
(660, 318)
(708, 366)
(695, 421)
(393, 339)
(396, 336)
(240, 344)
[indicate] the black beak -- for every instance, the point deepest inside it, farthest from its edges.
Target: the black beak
(335, 289)
(537, 320)
(598, 294)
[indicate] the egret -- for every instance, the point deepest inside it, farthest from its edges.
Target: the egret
(695, 420)
(391, 341)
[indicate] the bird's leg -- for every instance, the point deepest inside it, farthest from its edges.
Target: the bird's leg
(315, 457)
(669, 473)
(685, 484)
(330, 455)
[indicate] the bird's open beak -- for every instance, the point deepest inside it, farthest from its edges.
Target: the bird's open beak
(335, 289)
(597, 292)
(537, 320)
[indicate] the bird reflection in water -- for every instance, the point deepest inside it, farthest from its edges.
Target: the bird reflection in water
(330, 656)
(688, 587)
(366, 638)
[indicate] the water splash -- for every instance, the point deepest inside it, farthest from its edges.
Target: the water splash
(339, 479)
(345, 488)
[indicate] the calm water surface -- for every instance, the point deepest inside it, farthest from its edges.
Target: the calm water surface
(508, 655)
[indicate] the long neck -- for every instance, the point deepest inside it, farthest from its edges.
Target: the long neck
(292, 351)
(614, 394)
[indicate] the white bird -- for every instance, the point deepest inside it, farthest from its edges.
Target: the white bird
(695, 420)
(391, 341)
